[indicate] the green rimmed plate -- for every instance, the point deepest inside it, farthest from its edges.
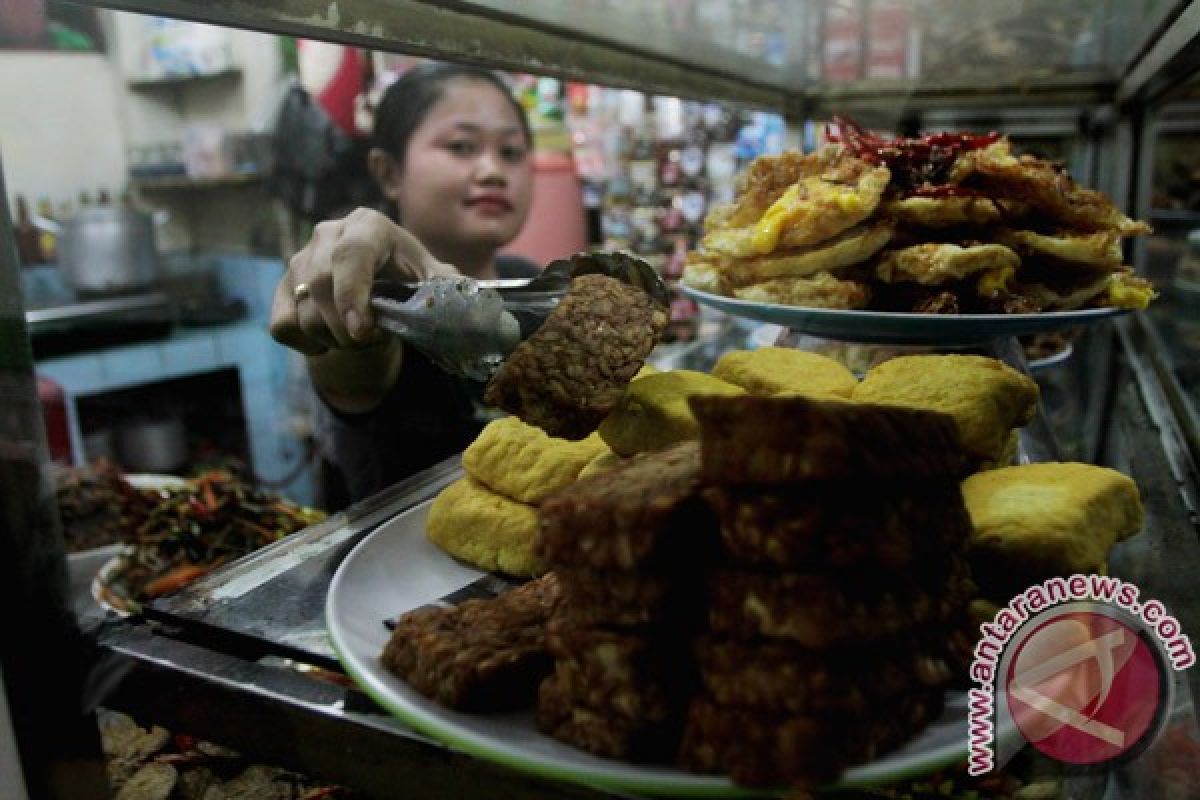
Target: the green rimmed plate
(395, 569)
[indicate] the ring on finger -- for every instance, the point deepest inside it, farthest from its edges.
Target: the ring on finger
(301, 291)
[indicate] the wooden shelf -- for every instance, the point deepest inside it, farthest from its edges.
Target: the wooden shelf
(183, 182)
(183, 80)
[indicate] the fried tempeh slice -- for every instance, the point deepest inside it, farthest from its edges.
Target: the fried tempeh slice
(782, 677)
(572, 370)
(641, 512)
(604, 733)
(628, 599)
(482, 655)
(774, 440)
(758, 749)
(820, 610)
(834, 524)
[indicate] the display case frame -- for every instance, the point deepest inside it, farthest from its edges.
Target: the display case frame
(187, 672)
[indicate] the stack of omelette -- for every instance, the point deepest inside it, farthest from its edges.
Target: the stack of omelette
(948, 223)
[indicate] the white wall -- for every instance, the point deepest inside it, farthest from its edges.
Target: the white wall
(60, 131)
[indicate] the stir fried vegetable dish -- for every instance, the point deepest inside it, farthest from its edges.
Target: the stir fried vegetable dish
(176, 536)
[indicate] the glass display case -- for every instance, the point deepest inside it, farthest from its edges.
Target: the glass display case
(243, 657)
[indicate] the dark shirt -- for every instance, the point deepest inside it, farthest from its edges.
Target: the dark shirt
(424, 418)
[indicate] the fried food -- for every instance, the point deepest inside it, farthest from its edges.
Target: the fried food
(603, 733)
(830, 524)
(986, 398)
(971, 229)
(784, 678)
(523, 463)
(484, 529)
(1044, 186)
(621, 599)
(822, 610)
(610, 660)
(1035, 521)
(639, 513)
(601, 463)
(653, 413)
(849, 247)
(783, 440)
(771, 370)
(571, 372)
(1101, 250)
(945, 212)
(827, 194)
(820, 291)
(482, 655)
(934, 264)
(756, 748)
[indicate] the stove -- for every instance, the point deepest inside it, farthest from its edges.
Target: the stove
(68, 323)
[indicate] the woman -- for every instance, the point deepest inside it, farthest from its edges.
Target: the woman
(451, 155)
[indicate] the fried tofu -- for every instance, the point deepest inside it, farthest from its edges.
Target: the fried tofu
(524, 463)
(1036, 521)
(771, 370)
(986, 398)
(486, 530)
(654, 413)
(784, 440)
(601, 463)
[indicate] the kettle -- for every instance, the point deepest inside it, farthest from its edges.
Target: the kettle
(108, 250)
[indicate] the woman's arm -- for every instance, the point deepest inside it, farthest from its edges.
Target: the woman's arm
(322, 305)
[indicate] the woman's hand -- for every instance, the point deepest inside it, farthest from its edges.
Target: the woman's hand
(323, 301)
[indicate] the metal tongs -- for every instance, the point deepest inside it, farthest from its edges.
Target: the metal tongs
(468, 327)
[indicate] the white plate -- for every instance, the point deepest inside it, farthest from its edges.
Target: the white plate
(395, 569)
(887, 327)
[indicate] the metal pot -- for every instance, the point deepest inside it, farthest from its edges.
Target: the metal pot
(108, 250)
(153, 445)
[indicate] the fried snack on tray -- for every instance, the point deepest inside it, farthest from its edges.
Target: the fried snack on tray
(572, 371)
(1035, 521)
(986, 398)
(823, 610)
(950, 223)
(756, 748)
(629, 517)
(619, 599)
(603, 732)
(484, 529)
(772, 370)
(653, 413)
(482, 655)
(523, 463)
(781, 440)
(783, 677)
(833, 524)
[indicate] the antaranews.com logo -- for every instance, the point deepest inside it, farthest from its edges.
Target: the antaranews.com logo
(1077, 667)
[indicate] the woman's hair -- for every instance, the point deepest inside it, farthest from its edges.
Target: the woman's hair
(406, 103)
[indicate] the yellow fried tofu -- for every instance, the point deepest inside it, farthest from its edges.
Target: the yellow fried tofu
(986, 397)
(484, 529)
(524, 463)
(601, 463)
(1035, 521)
(777, 370)
(654, 412)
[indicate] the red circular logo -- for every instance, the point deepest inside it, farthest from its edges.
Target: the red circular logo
(1085, 688)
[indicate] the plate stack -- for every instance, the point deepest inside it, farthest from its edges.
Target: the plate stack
(844, 533)
(631, 548)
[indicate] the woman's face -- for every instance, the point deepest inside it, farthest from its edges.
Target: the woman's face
(467, 177)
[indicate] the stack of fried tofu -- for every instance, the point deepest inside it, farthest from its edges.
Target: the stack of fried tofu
(843, 538)
(631, 548)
